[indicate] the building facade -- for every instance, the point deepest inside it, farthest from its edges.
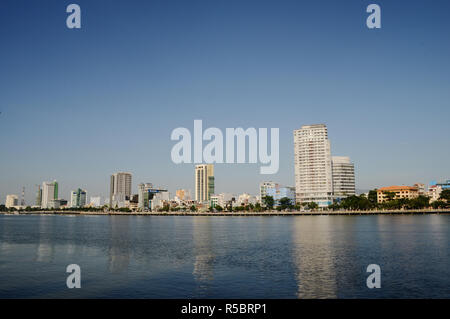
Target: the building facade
(312, 164)
(49, 194)
(263, 186)
(120, 189)
(444, 185)
(246, 199)
(278, 192)
(222, 199)
(143, 195)
(12, 201)
(408, 192)
(434, 192)
(204, 182)
(78, 198)
(183, 194)
(39, 196)
(96, 201)
(343, 172)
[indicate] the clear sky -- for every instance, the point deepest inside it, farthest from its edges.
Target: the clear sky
(78, 105)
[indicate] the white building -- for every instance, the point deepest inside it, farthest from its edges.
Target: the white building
(263, 188)
(343, 177)
(204, 182)
(96, 201)
(312, 163)
(49, 194)
(246, 199)
(12, 201)
(78, 198)
(158, 200)
(222, 199)
(434, 192)
(120, 189)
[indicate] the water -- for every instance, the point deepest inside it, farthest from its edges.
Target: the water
(225, 257)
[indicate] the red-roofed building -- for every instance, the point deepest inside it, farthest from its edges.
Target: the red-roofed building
(408, 192)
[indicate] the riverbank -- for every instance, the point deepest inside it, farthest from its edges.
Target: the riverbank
(268, 213)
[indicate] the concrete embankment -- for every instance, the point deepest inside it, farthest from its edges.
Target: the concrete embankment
(268, 213)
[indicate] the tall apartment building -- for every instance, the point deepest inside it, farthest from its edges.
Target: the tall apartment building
(49, 194)
(204, 182)
(312, 162)
(12, 201)
(143, 195)
(120, 189)
(78, 198)
(343, 171)
(39, 196)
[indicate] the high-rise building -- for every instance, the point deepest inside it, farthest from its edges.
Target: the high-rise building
(143, 195)
(49, 193)
(204, 182)
(78, 198)
(12, 201)
(120, 189)
(312, 162)
(39, 196)
(343, 177)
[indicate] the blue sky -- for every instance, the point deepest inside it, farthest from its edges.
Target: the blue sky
(78, 105)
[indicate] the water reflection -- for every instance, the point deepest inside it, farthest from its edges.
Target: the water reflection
(45, 247)
(119, 247)
(203, 250)
(315, 272)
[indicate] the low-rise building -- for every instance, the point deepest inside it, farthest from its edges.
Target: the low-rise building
(222, 199)
(434, 192)
(408, 192)
(278, 192)
(246, 199)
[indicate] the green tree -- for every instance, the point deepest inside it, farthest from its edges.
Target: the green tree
(285, 203)
(372, 197)
(312, 205)
(193, 208)
(258, 207)
(445, 195)
(438, 204)
(268, 201)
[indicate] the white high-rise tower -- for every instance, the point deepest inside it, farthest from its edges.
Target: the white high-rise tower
(313, 170)
(343, 177)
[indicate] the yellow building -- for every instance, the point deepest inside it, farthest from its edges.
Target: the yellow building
(408, 192)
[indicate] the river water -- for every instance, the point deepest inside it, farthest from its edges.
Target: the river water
(225, 257)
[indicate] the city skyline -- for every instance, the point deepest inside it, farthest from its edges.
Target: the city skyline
(123, 180)
(123, 82)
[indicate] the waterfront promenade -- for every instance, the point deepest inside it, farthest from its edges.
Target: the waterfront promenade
(266, 213)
